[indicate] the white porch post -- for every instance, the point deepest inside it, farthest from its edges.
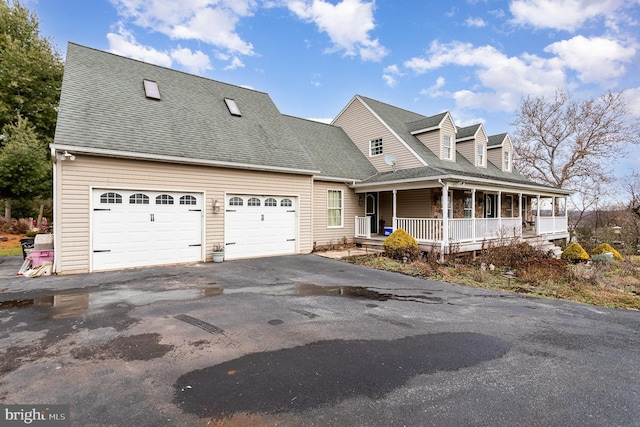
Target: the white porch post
(445, 219)
(473, 213)
(538, 215)
(499, 212)
(393, 210)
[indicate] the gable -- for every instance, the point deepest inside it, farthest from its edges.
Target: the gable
(363, 125)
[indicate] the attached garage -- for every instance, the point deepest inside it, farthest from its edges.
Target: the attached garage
(258, 225)
(131, 228)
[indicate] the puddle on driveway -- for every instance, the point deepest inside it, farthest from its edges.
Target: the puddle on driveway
(66, 305)
(327, 372)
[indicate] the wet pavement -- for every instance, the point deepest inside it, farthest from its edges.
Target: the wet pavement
(305, 340)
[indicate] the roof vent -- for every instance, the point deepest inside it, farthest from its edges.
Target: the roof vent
(151, 89)
(233, 107)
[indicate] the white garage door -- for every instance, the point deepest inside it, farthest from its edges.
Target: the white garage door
(260, 226)
(141, 228)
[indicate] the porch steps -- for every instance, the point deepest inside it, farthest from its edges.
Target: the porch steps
(544, 245)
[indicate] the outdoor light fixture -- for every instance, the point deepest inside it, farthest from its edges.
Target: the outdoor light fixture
(216, 206)
(66, 156)
(360, 200)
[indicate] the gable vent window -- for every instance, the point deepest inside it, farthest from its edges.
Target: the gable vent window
(151, 89)
(233, 107)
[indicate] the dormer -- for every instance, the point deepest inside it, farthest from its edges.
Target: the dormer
(500, 152)
(437, 133)
(472, 142)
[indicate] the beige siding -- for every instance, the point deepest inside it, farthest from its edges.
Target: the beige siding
(433, 141)
(324, 235)
(468, 150)
(414, 203)
(362, 126)
(76, 180)
(495, 156)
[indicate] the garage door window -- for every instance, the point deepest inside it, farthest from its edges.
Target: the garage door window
(164, 199)
(334, 208)
(271, 202)
(286, 203)
(139, 199)
(235, 201)
(110, 198)
(188, 200)
(254, 201)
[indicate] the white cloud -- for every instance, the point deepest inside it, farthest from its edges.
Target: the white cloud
(565, 14)
(434, 90)
(209, 21)
(325, 120)
(194, 62)
(475, 22)
(633, 101)
(596, 59)
(390, 74)
(502, 79)
(123, 43)
(347, 24)
(235, 63)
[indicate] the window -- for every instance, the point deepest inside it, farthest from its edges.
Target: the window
(188, 200)
(151, 89)
(450, 204)
(110, 198)
(254, 201)
(508, 208)
(236, 201)
(164, 199)
(468, 204)
(375, 147)
(233, 107)
(447, 150)
(138, 199)
(488, 206)
(271, 202)
(286, 203)
(334, 208)
(507, 161)
(480, 158)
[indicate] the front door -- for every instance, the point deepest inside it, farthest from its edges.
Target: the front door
(490, 206)
(371, 210)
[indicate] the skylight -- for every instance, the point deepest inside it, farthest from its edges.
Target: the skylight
(151, 89)
(233, 107)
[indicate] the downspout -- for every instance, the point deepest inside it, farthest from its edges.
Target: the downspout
(445, 219)
(56, 222)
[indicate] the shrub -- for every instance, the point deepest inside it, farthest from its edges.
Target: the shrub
(575, 253)
(511, 255)
(605, 247)
(400, 244)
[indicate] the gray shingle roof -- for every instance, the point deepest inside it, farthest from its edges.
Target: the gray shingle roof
(103, 106)
(467, 132)
(426, 123)
(496, 140)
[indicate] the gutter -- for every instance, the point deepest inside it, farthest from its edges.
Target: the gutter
(174, 159)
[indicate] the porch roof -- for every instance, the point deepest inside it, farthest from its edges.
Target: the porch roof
(429, 173)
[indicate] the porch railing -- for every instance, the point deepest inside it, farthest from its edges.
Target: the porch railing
(363, 227)
(465, 229)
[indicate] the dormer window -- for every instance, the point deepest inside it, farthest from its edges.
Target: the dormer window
(375, 147)
(447, 147)
(480, 159)
(233, 107)
(507, 161)
(151, 89)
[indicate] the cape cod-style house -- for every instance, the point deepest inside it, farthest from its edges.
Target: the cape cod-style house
(155, 166)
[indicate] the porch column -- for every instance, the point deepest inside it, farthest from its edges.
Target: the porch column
(445, 219)
(473, 213)
(520, 206)
(538, 215)
(393, 210)
(499, 213)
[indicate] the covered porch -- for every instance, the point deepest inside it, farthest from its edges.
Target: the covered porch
(460, 216)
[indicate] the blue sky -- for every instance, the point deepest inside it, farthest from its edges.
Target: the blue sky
(474, 58)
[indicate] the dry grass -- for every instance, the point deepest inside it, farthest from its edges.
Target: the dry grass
(12, 246)
(614, 284)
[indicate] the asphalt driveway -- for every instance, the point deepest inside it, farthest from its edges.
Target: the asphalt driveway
(305, 340)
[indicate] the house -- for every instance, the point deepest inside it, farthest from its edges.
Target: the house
(154, 166)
